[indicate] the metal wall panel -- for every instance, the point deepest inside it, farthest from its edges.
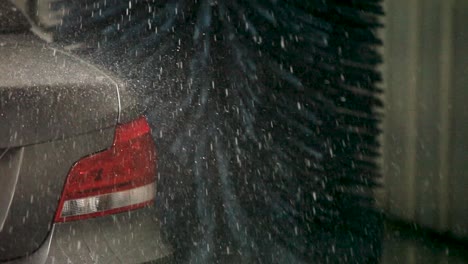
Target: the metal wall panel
(458, 153)
(425, 140)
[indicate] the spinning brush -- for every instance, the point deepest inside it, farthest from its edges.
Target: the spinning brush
(264, 117)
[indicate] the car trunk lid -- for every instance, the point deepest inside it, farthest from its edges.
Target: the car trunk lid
(46, 94)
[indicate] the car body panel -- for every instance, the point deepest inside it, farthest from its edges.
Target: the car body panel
(46, 94)
(40, 183)
(132, 237)
(10, 164)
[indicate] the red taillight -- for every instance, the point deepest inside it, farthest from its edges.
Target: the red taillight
(115, 180)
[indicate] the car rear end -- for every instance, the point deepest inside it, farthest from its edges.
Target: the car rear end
(77, 161)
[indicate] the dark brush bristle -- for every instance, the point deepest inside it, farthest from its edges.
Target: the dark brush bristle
(267, 116)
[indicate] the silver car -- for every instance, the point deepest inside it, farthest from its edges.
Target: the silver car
(75, 150)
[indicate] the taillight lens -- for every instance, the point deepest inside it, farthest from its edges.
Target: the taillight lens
(115, 180)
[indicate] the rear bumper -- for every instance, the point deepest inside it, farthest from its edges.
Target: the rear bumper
(131, 237)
